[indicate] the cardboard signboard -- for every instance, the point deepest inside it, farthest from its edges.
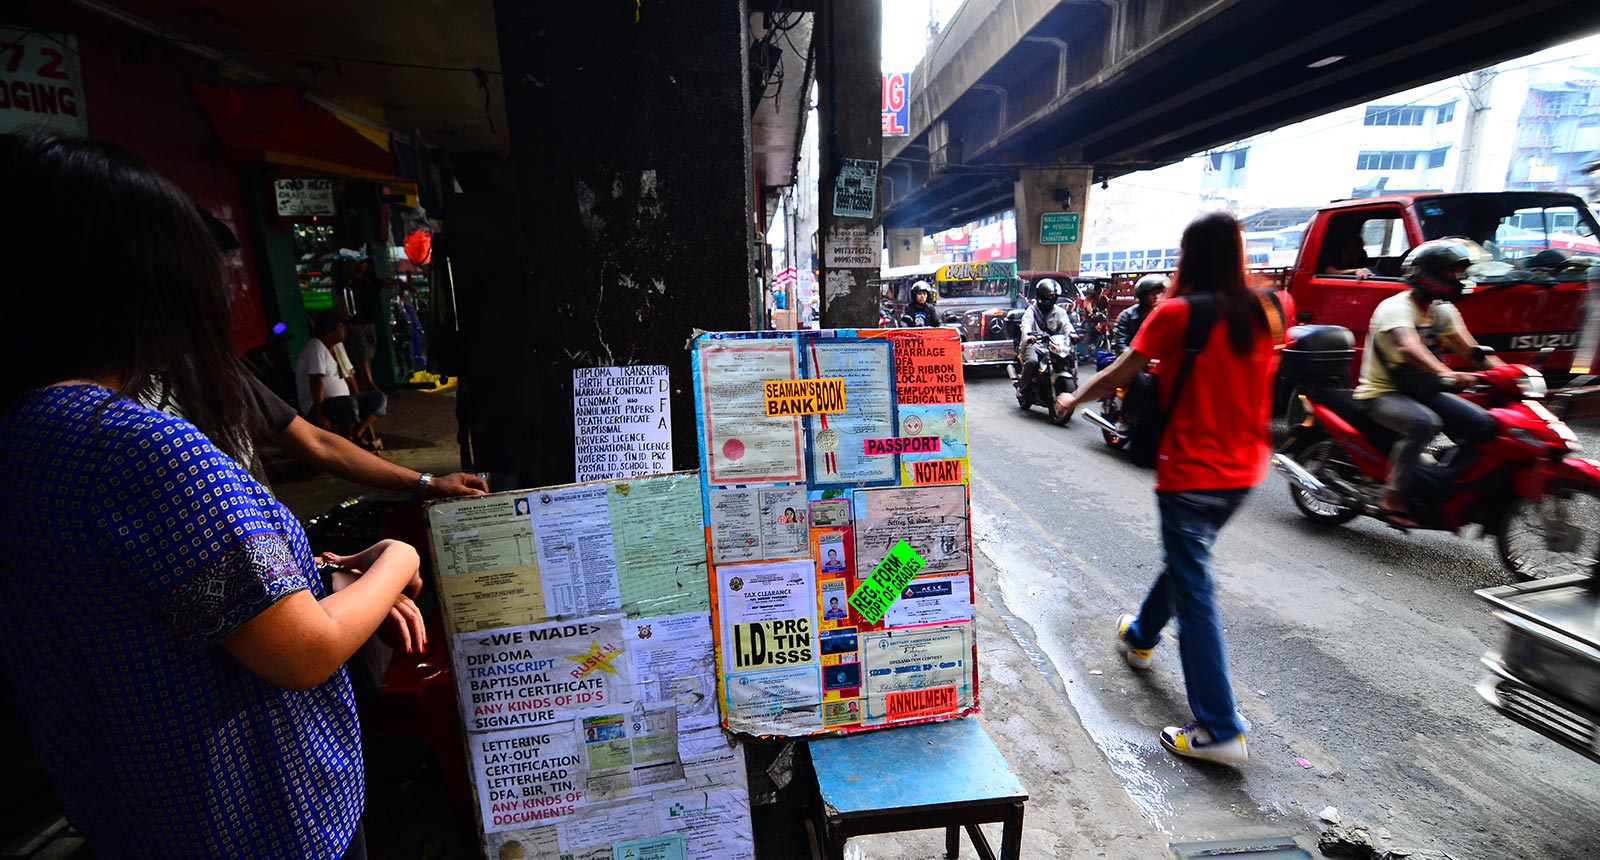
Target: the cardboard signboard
(581, 645)
(41, 83)
(303, 197)
(835, 479)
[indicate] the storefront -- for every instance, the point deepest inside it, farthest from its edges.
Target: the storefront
(333, 217)
(300, 186)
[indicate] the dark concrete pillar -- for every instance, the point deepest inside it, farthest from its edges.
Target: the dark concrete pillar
(850, 110)
(1050, 189)
(905, 246)
(630, 140)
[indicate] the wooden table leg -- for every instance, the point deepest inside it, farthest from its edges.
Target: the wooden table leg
(834, 837)
(952, 842)
(1011, 835)
(980, 843)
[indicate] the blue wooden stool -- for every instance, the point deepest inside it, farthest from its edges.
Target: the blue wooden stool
(947, 774)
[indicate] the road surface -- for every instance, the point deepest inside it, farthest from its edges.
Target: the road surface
(1354, 654)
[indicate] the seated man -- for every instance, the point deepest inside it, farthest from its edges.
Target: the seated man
(921, 312)
(1345, 251)
(1146, 294)
(1400, 375)
(327, 389)
(1044, 319)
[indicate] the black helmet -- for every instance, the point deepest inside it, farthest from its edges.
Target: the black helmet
(1150, 284)
(1046, 292)
(922, 287)
(1429, 267)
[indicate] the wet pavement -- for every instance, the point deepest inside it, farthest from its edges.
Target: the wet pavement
(1354, 654)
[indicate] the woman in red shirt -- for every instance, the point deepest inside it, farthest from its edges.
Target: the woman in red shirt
(1214, 450)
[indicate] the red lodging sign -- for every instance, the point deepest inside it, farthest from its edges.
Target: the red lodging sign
(41, 83)
(896, 104)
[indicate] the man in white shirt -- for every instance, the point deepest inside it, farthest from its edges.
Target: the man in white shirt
(327, 389)
(1402, 380)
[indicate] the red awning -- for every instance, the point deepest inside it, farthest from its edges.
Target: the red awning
(278, 125)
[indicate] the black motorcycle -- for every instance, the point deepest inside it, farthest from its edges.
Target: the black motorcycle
(1058, 371)
(1110, 419)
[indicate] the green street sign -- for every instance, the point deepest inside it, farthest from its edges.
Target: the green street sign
(1058, 228)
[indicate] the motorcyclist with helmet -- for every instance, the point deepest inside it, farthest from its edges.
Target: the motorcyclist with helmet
(1402, 380)
(1047, 317)
(921, 312)
(1146, 293)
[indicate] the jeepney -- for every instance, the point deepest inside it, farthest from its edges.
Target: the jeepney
(975, 298)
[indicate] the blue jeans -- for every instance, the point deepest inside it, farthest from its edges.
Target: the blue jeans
(1190, 521)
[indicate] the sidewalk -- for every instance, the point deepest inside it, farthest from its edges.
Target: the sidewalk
(1077, 806)
(419, 432)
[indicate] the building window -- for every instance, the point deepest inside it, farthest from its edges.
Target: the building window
(1226, 168)
(1447, 112)
(1436, 157)
(1386, 161)
(1379, 115)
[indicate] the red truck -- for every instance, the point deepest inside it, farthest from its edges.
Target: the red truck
(1529, 292)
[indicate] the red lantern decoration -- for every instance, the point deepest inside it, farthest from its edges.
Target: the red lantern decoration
(419, 247)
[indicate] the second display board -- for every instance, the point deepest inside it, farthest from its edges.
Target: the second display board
(834, 479)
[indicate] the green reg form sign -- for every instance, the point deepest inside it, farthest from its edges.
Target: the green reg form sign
(1059, 228)
(888, 581)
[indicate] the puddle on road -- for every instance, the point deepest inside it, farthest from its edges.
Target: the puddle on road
(1127, 760)
(1149, 774)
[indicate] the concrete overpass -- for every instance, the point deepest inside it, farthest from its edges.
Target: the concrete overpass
(1106, 87)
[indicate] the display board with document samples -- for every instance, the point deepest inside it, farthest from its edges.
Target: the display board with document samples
(580, 641)
(815, 576)
(835, 475)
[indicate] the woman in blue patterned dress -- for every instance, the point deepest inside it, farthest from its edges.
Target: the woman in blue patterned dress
(176, 657)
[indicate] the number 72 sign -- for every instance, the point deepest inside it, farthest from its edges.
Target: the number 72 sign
(41, 83)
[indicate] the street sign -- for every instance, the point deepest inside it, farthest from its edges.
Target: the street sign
(1058, 228)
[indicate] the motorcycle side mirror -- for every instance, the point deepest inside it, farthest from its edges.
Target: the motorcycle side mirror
(1543, 357)
(1479, 352)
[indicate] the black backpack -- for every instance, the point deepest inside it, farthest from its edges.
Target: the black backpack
(1146, 416)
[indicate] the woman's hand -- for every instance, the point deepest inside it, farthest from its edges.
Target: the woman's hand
(363, 560)
(403, 628)
(458, 484)
(1066, 404)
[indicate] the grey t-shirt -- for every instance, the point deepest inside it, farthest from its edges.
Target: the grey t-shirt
(274, 412)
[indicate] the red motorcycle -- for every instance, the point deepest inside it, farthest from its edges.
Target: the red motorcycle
(1524, 485)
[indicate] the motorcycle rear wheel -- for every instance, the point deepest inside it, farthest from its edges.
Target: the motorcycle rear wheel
(1553, 536)
(1318, 459)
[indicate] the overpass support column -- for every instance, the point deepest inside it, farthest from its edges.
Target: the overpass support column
(905, 246)
(850, 141)
(633, 184)
(1052, 190)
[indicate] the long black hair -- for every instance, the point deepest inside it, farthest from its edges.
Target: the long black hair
(1211, 260)
(113, 274)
